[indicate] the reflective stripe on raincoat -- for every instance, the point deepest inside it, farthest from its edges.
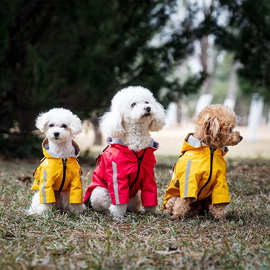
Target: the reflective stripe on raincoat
(199, 173)
(123, 172)
(57, 174)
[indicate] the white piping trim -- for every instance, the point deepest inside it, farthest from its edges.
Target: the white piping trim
(115, 183)
(187, 178)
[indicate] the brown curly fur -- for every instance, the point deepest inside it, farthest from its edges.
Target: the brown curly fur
(214, 127)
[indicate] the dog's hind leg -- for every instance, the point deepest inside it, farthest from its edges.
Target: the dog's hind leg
(100, 199)
(118, 211)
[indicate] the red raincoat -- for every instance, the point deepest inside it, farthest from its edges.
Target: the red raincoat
(123, 172)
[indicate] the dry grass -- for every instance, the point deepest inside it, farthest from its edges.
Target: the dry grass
(95, 241)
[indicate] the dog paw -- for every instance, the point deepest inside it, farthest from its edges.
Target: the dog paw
(31, 212)
(174, 217)
(76, 208)
(217, 211)
(169, 206)
(118, 210)
(167, 212)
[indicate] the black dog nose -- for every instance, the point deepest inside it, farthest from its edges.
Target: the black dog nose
(148, 109)
(56, 134)
(241, 138)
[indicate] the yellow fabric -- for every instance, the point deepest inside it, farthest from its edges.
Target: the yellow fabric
(49, 176)
(192, 171)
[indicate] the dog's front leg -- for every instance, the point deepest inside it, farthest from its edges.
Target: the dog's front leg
(36, 207)
(135, 203)
(118, 210)
(169, 206)
(181, 207)
(217, 211)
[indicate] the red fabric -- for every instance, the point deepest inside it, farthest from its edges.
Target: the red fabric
(126, 164)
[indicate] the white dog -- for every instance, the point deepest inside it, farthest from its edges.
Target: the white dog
(57, 179)
(124, 176)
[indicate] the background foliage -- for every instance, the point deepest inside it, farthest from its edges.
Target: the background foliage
(77, 54)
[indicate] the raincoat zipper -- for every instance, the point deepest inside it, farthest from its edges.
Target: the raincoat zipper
(212, 150)
(64, 161)
(139, 160)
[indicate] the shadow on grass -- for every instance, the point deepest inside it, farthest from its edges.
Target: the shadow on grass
(248, 217)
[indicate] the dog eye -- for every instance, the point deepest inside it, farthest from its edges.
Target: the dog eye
(51, 125)
(133, 104)
(64, 126)
(146, 102)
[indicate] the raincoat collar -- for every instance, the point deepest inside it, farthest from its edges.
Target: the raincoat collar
(47, 154)
(192, 143)
(152, 143)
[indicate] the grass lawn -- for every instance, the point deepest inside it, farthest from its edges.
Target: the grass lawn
(96, 241)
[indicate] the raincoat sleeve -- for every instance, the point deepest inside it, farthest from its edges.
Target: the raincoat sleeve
(149, 189)
(46, 190)
(76, 189)
(220, 192)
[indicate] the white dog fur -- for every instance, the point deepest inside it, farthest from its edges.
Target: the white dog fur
(59, 126)
(133, 114)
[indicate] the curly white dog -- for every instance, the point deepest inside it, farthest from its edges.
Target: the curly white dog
(58, 178)
(124, 177)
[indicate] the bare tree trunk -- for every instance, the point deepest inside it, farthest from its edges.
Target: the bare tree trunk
(255, 117)
(269, 118)
(97, 132)
(233, 87)
(171, 114)
(206, 96)
(179, 112)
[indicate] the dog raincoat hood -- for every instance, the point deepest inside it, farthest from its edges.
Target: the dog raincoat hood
(199, 173)
(57, 174)
(123, 172)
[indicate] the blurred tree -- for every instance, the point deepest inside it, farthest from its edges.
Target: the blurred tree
(77, 54)
(246, 33)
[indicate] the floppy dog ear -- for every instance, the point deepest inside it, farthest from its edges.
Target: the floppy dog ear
(159, 117)
(111, 124)
(211, 128)
(215, 127)
(41, 121)
(75, 124)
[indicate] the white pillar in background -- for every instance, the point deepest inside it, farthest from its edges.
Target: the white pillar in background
(204, 100)
(269, 118)
(254, 117)
(171, 114)
(229, 102)
(233, 87)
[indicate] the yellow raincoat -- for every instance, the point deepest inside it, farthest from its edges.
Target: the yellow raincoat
(199, 173)
(57, 174)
